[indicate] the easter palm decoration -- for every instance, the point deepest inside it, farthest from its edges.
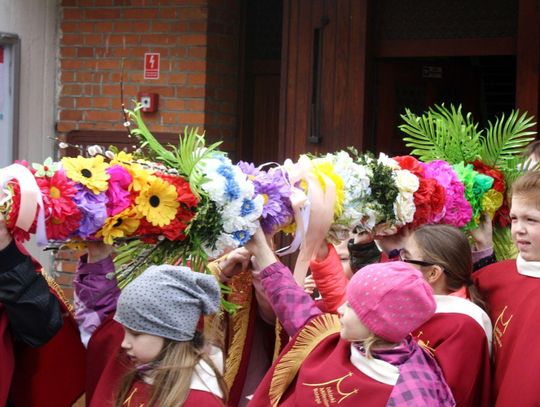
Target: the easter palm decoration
(449, 134)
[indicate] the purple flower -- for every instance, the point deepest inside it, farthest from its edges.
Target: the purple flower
(93, 209)
(249, 169)
(118, 192)
(276, 191)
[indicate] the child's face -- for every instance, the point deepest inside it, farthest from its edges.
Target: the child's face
(352, 329)
(140, 347)
(526, 227)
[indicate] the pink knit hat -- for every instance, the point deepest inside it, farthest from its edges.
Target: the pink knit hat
(391, 299)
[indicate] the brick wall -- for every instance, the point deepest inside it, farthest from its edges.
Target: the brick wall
(199, 43)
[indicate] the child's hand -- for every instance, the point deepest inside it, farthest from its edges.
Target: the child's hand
(483, 234)
(98, 251)
(234, 263)
(5, 236)
(309, 284)
(260, 248)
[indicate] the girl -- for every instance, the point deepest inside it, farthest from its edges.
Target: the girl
(511, 289)
(459, 334)
(160, 311)
(371, 360)
(163, 358)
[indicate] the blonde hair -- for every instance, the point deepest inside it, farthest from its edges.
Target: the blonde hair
(372, 342)
(527, 186)
(172, 375)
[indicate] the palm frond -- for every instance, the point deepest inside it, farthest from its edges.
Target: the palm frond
(506, 138)
(441, 133)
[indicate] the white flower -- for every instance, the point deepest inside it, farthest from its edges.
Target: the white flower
(406, 181)
(389, 162)
(404, 208)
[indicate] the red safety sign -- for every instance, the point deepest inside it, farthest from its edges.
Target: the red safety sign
(151, 65)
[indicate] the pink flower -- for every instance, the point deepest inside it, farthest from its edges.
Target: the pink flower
(118, 193)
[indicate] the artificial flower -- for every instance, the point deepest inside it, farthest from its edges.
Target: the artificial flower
(158, 202)
(121, 225)
(93, 208)
(90, 172)
(47, 169)
(118, 191)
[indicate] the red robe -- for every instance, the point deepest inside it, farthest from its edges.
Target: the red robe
(460, 345)
(29, 374)
(105, 364)
(514, 308)
(327, 376)
(7, 362)
(140, 393)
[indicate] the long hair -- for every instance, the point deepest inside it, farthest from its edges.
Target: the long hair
(371, 343)
(448, 247)
(172, 375)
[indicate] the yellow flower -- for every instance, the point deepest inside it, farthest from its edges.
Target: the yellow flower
(157, 202)
(91, 172)
(491, 202)
(122, 158)
(141, 177)
(121, 225)
(325, 172)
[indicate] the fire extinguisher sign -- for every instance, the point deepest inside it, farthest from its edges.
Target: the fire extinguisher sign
(151, 65)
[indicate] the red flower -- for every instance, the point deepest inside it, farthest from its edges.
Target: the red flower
(429, 201)
(407, 162)
(18, 234)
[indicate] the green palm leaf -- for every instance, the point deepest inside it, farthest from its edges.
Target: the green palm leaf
(506, 138)
(441, 133)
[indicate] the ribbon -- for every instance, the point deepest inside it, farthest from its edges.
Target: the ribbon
(30, 199)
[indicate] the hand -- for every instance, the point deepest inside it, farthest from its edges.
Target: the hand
(309, 284)
(234, 263)
(5, 236)
(98, 251)
(483, 234)
(261, 249)
(395, 241)
(362, 237)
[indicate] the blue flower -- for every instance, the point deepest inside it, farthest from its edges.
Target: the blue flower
(226, 172)
(232, 191)
(241, 236)
(247, 207)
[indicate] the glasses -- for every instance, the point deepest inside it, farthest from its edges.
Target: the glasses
(417, 262)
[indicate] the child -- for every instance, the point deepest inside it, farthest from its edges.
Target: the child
(160, 311)
(511, 289)
(459, 334)
(371, 361)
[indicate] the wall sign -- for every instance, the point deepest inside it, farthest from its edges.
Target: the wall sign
(151, 65)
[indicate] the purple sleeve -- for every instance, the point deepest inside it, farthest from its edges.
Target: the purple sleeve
(293, 306)
(96, 294)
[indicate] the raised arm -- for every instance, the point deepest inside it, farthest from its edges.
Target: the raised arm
(96, 289)
(292, 305)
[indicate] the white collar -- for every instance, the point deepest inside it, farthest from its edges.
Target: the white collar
(451, 304)
(204, 377)
(377, 369)
(528, 268)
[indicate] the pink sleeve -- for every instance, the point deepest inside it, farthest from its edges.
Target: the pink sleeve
(330, 280)
(263, 304)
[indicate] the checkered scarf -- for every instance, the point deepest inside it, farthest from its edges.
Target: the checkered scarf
(420, 382)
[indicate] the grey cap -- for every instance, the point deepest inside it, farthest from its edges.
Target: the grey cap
(167, 301)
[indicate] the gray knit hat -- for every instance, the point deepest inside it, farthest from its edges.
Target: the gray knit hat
(167, 301)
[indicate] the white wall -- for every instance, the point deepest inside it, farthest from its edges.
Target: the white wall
(35, 22)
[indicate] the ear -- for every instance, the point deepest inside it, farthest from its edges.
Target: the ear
(434, 274)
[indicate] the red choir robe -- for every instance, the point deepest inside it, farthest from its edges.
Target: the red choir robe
(140, 392)
(459, 337)
(28, 374)
(7, 361)
(106, 363)
(514, 308)
(327, 377)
